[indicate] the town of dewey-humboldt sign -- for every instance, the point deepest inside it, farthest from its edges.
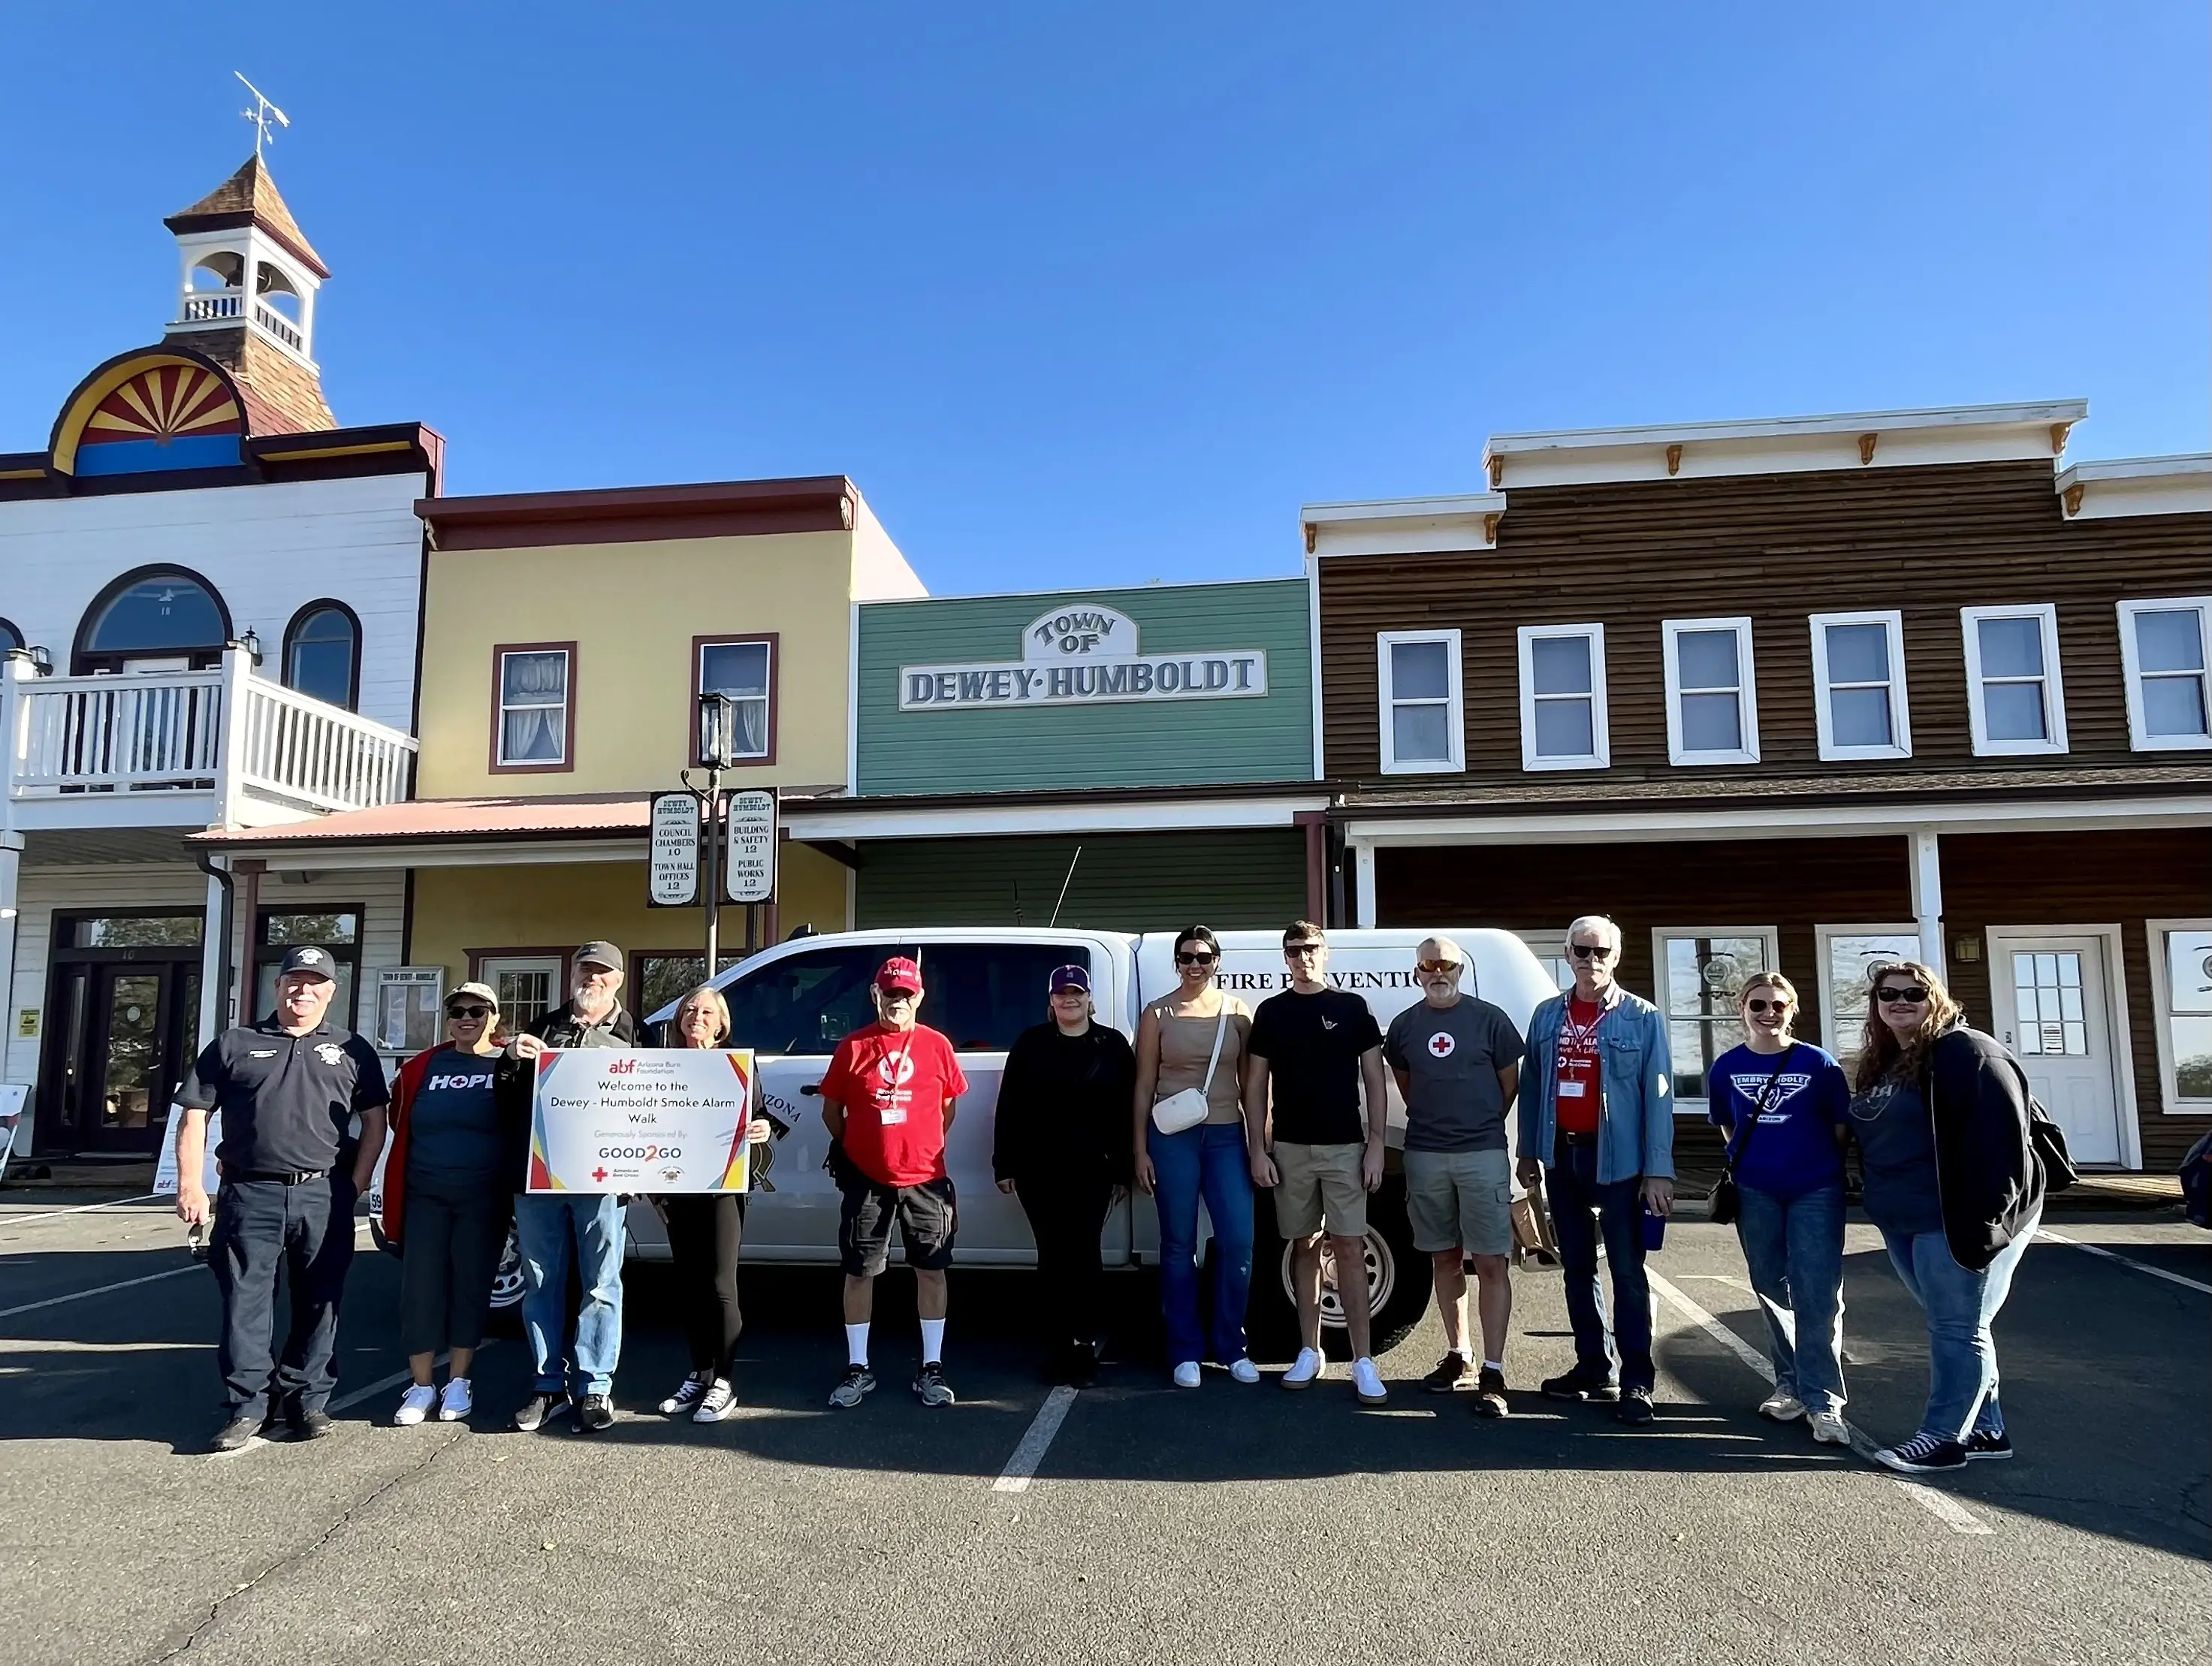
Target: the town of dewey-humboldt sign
(1083, 655)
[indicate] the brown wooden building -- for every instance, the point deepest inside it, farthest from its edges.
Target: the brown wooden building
(1801, 694)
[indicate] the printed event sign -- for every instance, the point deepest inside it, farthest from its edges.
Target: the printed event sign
(1084, 655)
(672, 1120)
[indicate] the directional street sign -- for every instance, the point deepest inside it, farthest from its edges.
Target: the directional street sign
(673, 867)
(750, 873)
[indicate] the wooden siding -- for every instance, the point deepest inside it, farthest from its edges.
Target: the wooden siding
(1169, 743)
(1124, 882)
(1797, 884)
(1777, 548)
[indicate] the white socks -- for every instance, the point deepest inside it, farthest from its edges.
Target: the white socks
(856, 1344)
(1494, 1365)
(932, 1341)
(1466, 1351)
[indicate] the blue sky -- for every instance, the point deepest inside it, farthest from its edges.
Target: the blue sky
(1097, 293)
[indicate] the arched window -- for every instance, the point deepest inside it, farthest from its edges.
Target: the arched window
(165, 614)
(9, 636)
(322, 652)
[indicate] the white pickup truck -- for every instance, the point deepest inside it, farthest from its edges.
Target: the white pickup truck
(792, 1003)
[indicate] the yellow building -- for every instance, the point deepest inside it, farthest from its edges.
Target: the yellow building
(566, 639)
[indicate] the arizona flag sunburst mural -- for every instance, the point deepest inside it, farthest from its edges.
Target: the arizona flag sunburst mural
(177, 416)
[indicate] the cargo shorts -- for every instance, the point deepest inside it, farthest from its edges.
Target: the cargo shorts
(1319, 1187)
(1460, 1200)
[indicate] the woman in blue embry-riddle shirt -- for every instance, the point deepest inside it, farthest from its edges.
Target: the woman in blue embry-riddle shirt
(1784, 1103)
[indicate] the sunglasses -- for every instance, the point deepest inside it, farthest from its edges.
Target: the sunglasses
(1901, 995)
(1302, 948)
(1437, 968)
(468, 1011)
(1192, 958)
(1588, 951)
(1755, 1005)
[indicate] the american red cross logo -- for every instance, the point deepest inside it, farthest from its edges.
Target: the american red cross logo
(599, 1174)
(1441, 1045)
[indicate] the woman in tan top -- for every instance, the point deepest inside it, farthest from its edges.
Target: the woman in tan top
(1175, 1043)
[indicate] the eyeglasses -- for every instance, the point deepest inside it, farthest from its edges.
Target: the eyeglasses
(1437, 968)
(468, 1011)
(1302, 948)
(1755, 1005)
(1588, 951)
(1904, 995)
(1192, 958)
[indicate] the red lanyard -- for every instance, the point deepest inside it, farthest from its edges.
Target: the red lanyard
(1577, 1039)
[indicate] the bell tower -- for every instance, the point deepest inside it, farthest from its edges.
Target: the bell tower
(246, 299)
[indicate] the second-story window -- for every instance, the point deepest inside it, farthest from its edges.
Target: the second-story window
(742, 667)
(2014, 702)
(322, 652)
(1858, 685)
(1712, 707)
(1563, 718)
(1418, 686)
(537, 687)
(2163, 651)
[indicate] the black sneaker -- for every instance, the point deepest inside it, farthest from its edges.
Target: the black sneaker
(1635, 1407)
(1083, 1366)
(1451, 1373)
(1490, 1394)
(234, 1435)
(539, 1410)
(1578, 1384)
(858, 1380)
(930, 1386)
(308, 1426)
(1923, 1455)
(1982, 1445)
(594, 1412)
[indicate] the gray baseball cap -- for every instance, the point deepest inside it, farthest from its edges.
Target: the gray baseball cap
(600, 952)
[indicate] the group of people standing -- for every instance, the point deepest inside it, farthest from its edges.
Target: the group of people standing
(1215, 1102)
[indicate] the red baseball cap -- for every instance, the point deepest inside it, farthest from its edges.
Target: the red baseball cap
(898, 973)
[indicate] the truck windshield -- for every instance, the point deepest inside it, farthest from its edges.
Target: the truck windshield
(808, 1002)
(984, 994)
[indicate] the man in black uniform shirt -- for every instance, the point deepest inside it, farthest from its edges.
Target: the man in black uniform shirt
(288, 1088)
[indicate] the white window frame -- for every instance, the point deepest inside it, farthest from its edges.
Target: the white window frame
(1770, 935)
(2054, 692)
(490, 967)
(1831, 1037)
(1387, 702)
(1747, 693)
(1900, 710)
(566, 706)
(1551, 948)
(2169, 1082)
(2139, 738)
(1601, 757)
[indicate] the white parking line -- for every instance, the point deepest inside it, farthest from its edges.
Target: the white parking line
(81, 1209)
(2100, 1250)
(1023, 1466)
(1945, 1508)
(100, 1290)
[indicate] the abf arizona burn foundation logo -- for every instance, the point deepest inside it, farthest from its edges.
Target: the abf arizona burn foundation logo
(897, 1072)
(1441, 1045)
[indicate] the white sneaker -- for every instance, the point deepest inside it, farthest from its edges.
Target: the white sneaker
(1782, 1406)
(1305, 1369)
(415, 1405)
(1186, 1374)
(457, 1402)
(1367, 1381)
(718, 1401)
(1830, 1429)
(1244, 1371)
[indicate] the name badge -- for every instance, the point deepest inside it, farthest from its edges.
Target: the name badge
(1570, 1090)
(891, 1115)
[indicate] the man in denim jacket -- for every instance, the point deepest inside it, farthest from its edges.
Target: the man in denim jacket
(1597, 1114)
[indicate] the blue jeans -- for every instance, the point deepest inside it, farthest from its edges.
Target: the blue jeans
(1962, 1358)
(542, 1222)
(1581, 1209)
(1794, 1248)
(1211, 1160)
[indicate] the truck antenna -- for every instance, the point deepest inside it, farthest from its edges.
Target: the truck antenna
(1064, 884)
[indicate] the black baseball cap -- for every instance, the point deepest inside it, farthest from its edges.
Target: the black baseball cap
(316, 963)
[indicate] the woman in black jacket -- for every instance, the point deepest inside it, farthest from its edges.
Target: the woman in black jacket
(1941, 1113)
(1062, 1146)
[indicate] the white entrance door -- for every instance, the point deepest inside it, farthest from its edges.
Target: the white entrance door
(2052, 1005)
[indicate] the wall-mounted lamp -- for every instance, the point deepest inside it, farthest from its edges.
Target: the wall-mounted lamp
(1965, 950)
(246, 640)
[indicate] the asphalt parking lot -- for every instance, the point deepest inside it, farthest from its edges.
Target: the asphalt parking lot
(1225, 1524)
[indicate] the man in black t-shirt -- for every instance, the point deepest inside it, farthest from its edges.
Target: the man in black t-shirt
(289, 1089)
(1320, 1048)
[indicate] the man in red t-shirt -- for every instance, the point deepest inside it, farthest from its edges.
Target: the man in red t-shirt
(888, 1102)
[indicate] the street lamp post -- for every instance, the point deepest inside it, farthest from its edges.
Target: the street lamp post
(718, 739)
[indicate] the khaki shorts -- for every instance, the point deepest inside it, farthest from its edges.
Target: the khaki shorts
(1318, 1184)
(1460, 1200)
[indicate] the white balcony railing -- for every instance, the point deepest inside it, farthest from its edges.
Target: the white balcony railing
(208, 306)
(224, 731)
(277, 324)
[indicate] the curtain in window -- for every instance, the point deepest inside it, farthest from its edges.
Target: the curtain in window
(533, 700)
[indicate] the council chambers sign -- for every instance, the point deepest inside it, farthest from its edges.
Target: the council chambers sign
(1084, 655)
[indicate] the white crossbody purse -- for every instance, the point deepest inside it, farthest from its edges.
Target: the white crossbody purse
(1187, 1108)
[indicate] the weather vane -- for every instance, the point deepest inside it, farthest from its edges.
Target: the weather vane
(260, 114)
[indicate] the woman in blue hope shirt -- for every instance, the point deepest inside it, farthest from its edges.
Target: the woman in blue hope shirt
(1784, 1102)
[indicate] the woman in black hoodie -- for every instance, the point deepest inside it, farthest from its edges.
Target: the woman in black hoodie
(1941, 1113)
(1062, 1145)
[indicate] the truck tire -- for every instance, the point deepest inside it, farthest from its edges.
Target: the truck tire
(504, 1317)
(1397, 1279)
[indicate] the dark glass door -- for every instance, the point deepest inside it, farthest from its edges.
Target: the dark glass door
(123, 1034)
